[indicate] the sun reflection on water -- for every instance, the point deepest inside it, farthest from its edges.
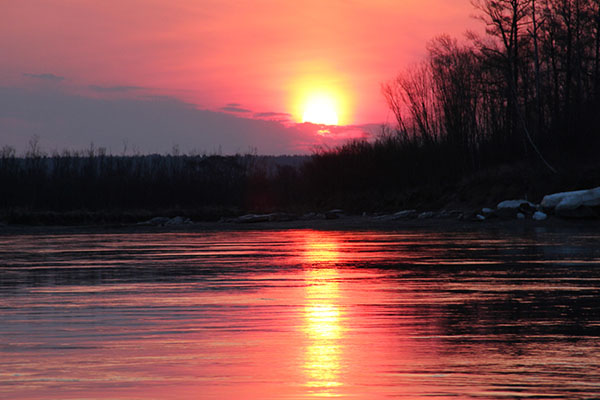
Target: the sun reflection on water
(323, 315)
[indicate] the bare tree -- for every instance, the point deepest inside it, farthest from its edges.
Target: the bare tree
(413, 91)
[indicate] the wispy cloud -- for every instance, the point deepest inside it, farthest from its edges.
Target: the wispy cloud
(235, 109)
(45, 77)
(272, 114)
(338, 134)
(114, 89)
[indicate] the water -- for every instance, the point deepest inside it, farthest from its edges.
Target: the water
(300, 314)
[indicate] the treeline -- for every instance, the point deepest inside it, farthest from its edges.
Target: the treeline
(37, 187)
(529, 88)
(526, 94)
(92, 180)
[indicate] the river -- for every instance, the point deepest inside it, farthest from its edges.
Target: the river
(300, 314)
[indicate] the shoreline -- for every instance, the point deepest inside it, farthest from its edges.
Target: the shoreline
(347, 223)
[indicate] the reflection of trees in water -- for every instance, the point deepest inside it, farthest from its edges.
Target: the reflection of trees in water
(543, 301)
(518, 283)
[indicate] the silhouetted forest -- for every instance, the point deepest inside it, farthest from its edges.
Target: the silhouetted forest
(526, 94)
(205, 187)
(528, 89)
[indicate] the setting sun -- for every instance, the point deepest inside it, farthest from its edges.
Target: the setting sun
(321, 100)
(320, 110)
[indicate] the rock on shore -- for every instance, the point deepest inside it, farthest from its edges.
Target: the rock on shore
(576, 204)
(512, 208)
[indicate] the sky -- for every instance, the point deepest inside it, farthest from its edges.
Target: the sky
(208, 76)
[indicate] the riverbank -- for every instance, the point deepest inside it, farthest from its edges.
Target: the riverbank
(357, 223)
(474, 198)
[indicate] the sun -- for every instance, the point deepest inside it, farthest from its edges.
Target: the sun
(320, 109)
(320, 100)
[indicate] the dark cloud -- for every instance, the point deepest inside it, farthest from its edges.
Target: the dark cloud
(233, 105)
(272, 115)
(151, 124)
(45, 76)
(114, 89)
(235, 109)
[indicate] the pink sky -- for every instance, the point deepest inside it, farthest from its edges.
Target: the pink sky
(222, 56)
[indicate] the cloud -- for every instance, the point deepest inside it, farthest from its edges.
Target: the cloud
(45, 76)
(114, 89)
(150, 125)
(234, 109)
(233, 104)
(333, 135)
(271, 114)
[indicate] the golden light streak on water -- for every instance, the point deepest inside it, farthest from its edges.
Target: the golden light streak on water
(323, 327)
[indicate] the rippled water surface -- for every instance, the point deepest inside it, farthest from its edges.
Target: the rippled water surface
(300, 314)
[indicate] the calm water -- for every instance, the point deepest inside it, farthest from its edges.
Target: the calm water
(300, 314)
